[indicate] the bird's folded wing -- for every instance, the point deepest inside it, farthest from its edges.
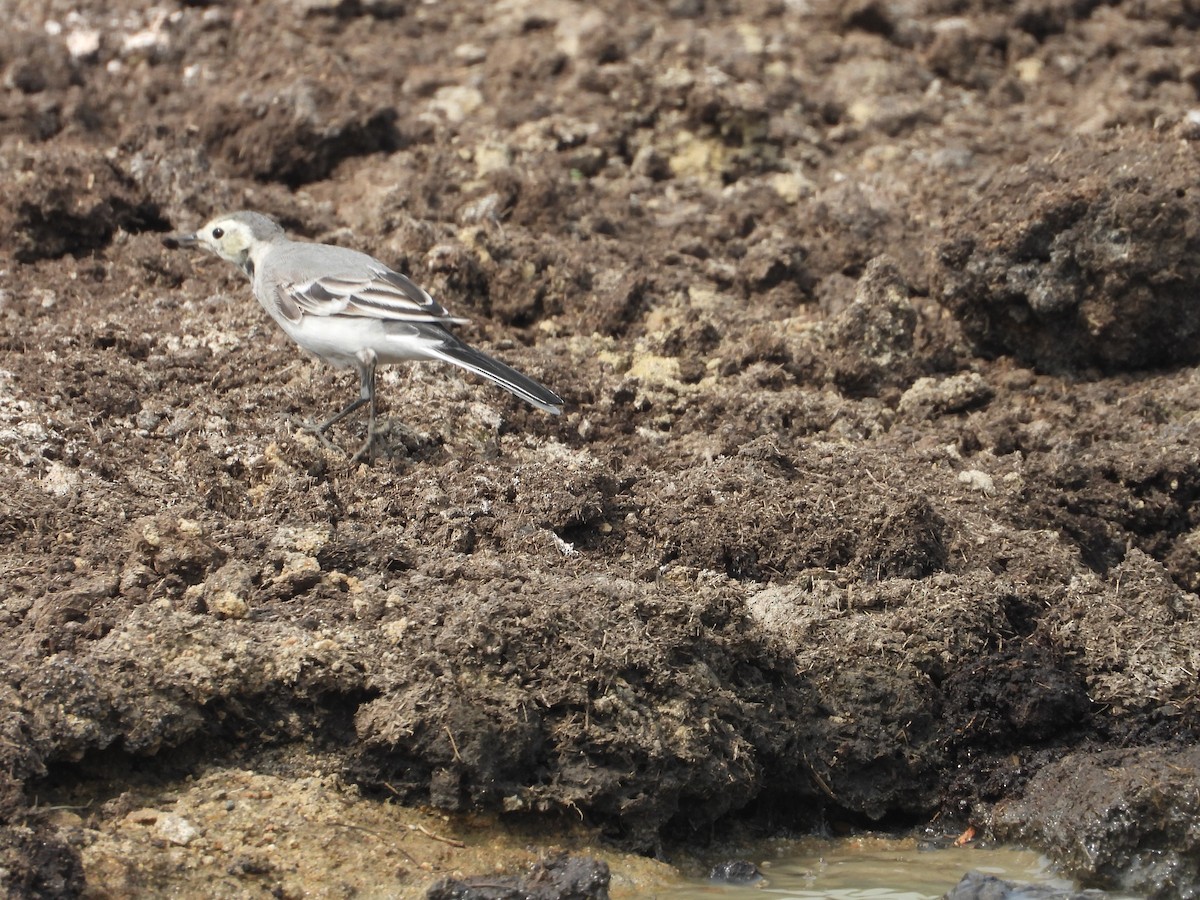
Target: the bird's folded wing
(379, 294)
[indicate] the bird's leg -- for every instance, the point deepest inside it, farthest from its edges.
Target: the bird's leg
(367, 374)
(319, 430)
(356, 404)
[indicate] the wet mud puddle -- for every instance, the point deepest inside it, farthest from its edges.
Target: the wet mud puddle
(871, 869)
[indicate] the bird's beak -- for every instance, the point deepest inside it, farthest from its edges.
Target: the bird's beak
(175, 241)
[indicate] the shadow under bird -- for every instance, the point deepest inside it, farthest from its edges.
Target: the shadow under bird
(349, 309)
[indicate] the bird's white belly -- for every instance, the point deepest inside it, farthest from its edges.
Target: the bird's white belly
(342, 340)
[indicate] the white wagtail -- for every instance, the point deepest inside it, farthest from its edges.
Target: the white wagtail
(349, 309)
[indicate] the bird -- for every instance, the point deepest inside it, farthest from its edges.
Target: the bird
(350, 310)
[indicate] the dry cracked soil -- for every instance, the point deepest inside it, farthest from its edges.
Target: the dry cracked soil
(872, 504)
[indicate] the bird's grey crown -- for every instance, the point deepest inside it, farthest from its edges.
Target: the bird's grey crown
(261, 228)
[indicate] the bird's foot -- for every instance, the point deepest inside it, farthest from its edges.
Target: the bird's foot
(366, 451)
(316, 429)
(391, 440)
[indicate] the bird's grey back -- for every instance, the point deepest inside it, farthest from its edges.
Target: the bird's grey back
(301, 261)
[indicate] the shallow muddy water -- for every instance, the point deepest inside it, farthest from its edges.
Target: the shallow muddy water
(870, 868)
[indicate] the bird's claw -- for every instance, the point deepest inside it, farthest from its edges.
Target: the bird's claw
(317, 430)
(366, 451)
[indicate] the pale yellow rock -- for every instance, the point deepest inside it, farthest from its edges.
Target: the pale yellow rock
(655, 369)
(861, 111)
(228, 605)
(456, 102)
(752, 38)
(491, 157)
(151, 535)
(298, 567)
(700, 158)
(792, 187)
(1029, 70)
(305, 540)
(395, 630)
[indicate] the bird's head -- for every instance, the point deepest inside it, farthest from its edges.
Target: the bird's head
(238, 237)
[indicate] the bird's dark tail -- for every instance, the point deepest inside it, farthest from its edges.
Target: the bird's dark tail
(458, 353)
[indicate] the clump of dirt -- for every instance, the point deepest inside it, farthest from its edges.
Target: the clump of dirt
(872, 501)
(294, 131)
(1101, 269)
(1085, 806)
(563, 876)
(40, 862)
(74, 203)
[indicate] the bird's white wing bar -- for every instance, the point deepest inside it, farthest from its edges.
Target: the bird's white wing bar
(383, 294)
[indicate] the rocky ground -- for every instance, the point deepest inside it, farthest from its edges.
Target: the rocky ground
(872, 504)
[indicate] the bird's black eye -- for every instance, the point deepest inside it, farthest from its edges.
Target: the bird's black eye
(218, 233)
